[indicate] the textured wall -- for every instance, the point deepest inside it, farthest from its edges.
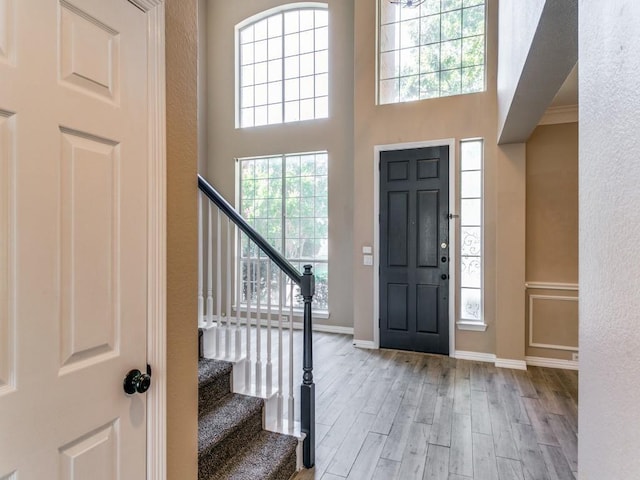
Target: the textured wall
(334, 134)
(462, 116)
(182, 240)
(552, 204)
(552, 236)
(609, 232)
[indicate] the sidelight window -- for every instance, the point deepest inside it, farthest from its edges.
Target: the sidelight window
(471, 238)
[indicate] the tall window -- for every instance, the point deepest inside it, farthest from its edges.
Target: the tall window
(285, 198)
(432, 50)
(283, 64)
(471, 308)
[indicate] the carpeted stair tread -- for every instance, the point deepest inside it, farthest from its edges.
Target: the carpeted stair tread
(270, 456)
(214, 382)
(233, 422)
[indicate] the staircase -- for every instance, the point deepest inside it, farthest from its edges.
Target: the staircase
(232, 443)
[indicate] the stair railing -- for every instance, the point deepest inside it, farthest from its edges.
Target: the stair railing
(228, 331)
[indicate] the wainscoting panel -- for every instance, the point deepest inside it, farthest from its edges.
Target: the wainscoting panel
(552, 319)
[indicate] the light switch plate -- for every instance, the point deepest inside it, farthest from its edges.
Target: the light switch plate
(367, 260)
(367, 250)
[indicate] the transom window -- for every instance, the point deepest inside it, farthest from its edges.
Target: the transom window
(283, 63)
(285, 198)
(434, 49)
(471, 226)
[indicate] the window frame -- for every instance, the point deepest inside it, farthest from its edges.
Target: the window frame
(282, 9)
(398, 78)
(467, 323)
(240, 259)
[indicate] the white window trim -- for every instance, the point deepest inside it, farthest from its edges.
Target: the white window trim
(317, 313)
(256, 18)
(378, 52)
(466, 324)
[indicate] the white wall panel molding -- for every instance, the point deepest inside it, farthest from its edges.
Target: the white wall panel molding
(532, 300)
(552, 286)
(560, 114)
(7, 256)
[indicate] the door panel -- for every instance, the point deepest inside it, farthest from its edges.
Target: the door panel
(414, 249)
(73, 240)
(7, 319)
(397, 231)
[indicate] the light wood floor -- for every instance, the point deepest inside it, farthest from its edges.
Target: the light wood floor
(397, 415)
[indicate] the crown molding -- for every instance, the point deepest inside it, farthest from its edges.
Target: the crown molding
(561, 114)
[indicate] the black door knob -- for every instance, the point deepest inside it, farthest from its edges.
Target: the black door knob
(444, 276)
(136, 382)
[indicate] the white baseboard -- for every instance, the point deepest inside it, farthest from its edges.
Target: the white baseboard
(368, 344)
(552, 363)
(474, 356)
(317, 327)
(513, 364)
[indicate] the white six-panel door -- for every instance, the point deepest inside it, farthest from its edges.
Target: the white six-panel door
(73, 238)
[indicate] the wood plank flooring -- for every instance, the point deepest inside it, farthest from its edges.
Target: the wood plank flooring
(388, 415)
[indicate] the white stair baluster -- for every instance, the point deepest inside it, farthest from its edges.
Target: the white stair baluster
(258, 326)
(210, 269)
(291, 397)
(201, 322)
(227, 340)
(247, 371)
(269, 364)
(238, 293)
(220, 322)
(281, 297)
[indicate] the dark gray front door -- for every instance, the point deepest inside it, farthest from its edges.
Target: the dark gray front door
(414, 249)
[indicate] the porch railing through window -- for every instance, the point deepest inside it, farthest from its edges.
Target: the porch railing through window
(247, 292)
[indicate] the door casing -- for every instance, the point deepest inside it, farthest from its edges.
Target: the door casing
(156, 241)
(453, 245)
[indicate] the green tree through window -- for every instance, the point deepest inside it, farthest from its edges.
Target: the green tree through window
(285, 198)
(436, 49)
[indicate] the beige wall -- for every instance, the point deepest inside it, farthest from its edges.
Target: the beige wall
(458, 117)
(510, 248)
(552, 236)
(182, 149)
(334, 134)
(356, 126)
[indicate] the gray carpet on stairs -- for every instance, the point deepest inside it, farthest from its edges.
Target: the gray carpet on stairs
(231, 442)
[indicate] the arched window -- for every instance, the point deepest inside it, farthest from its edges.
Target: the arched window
(283, 66)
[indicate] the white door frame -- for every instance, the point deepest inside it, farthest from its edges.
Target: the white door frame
(156, 241)
(377, 149)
